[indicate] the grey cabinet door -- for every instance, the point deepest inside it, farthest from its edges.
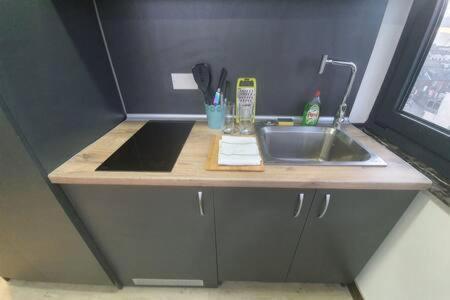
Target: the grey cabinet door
(334, 248)
(257, 232)
(157, 236)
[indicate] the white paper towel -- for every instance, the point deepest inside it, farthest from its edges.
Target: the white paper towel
(239, 151)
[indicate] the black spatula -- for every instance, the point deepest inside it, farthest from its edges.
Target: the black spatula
(202, 76)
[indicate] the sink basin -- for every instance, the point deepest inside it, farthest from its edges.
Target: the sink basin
(313, 146)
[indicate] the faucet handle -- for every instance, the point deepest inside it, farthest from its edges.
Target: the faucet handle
(323, 63)
(343, 109)
(340, 115)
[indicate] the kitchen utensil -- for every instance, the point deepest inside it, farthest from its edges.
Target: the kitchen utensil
(246, 104)
(226, 92)
(223, 76)
(202, 76)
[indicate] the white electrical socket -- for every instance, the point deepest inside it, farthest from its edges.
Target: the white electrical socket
(183, 81)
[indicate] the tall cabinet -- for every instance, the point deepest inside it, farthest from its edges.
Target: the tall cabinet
(38, 241)
(57, 95)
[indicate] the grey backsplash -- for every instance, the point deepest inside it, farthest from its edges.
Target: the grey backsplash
(280, 42)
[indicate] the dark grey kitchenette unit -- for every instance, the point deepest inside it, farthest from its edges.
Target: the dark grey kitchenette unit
(199, 228)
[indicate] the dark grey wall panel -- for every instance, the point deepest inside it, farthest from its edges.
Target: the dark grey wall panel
(37, 239)
(278, 41)
(55, 76)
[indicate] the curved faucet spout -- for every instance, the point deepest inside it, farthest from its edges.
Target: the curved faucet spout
(340, 114)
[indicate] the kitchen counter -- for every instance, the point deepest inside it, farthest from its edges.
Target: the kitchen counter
(189, 169)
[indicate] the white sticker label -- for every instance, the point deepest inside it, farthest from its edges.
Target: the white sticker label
(183, 81)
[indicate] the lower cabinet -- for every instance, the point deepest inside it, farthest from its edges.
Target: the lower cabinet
(151, 236)
(188, 236)
(257, 231)
(343, 230)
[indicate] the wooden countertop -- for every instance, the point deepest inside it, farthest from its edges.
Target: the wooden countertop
(189, 169)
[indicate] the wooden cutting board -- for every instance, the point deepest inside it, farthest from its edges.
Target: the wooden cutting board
(213, 158)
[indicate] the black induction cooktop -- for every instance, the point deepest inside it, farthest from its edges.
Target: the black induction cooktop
(153, 148)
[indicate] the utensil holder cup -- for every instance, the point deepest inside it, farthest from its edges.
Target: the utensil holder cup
(215, 115)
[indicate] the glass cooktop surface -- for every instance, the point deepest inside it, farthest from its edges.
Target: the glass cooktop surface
(153, 148)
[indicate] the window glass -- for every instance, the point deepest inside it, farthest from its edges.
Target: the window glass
(430, 97)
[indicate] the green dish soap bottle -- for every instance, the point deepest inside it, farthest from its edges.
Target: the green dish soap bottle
(312, 111)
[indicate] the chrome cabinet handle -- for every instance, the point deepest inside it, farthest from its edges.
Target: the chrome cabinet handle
(327, 202)
(300, 205)
(200, 202)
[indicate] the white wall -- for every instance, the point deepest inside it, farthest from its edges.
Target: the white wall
(390, 31)
(413, 263)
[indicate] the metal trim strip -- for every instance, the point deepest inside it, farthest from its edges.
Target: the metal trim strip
(200, 117)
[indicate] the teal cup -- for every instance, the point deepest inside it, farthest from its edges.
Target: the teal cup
(215, 115)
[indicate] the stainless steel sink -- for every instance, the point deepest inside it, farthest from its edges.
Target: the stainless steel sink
(313, 146)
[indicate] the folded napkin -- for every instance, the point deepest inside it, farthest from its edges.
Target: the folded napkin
(239, 151)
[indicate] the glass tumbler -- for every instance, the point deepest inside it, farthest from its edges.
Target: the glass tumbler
(246, 119)
(229, 118)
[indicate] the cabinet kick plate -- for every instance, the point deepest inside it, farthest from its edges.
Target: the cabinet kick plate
(168, 282)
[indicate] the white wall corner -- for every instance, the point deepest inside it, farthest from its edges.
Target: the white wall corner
(413, 262)
(387, 40)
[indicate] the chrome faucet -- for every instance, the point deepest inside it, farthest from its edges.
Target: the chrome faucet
(340, 114)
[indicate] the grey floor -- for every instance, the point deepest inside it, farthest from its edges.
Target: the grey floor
(18, 290)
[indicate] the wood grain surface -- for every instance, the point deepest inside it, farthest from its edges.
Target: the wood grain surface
(189, 169)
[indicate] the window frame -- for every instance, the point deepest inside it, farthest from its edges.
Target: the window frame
(415, 136)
